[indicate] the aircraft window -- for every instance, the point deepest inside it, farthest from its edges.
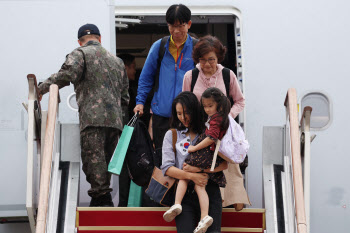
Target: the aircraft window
(321, 109)
(72, 102)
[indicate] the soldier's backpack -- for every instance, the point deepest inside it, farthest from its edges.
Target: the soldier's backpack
(139, 157)
(161, 53)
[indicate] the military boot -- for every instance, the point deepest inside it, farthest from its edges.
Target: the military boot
(95, 202)
(106, 200)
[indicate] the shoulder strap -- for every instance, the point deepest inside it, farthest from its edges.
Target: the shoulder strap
(194, 41)
(195, 73)
(161, 52)
(226, 77)
(174, 139)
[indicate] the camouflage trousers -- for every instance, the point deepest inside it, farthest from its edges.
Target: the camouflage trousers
(97, 147)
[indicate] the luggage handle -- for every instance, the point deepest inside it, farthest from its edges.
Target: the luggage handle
(133, 120)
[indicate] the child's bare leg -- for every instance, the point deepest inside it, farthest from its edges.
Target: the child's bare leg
(176, 209)
(180, 191)
(203, 200)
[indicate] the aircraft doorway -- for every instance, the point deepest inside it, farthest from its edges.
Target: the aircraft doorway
(137, 38)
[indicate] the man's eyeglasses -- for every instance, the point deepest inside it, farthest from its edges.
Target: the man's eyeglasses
(210, 60)
(181, 26)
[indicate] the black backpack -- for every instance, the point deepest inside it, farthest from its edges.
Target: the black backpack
(225, 75)
(161, 53)
(139, 157)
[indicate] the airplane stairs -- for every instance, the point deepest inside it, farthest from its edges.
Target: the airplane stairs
(53, 206)
(150, 219)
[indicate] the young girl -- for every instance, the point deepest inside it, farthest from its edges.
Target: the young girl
(217, 107)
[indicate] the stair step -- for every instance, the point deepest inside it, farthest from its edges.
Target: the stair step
(150, 219)
(158, 230)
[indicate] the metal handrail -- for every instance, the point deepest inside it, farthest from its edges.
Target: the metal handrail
(34, 142)
(305, 143)
(33, 77)
(47, 159)
(292, 112)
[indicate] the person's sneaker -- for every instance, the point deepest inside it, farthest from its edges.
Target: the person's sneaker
(171, 213)
(204, 224)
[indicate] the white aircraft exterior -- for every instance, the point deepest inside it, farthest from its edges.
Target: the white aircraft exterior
(284, 44)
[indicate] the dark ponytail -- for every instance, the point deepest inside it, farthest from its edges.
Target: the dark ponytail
(223, 105)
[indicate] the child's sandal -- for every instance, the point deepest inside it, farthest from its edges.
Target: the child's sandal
(204, 224)
(171, 213)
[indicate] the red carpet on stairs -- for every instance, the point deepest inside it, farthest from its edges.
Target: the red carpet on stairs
(149, 219)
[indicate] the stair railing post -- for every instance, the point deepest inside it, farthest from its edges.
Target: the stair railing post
(47, 160)
(292, 112)
(305, 129)
(34, 142)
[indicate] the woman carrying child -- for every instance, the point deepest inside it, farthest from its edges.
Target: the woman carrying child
(216, 106)
(187, 120)
(208, 54)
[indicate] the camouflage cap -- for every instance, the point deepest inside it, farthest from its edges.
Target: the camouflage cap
(88, 29)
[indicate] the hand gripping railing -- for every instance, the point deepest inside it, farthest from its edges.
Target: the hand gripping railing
(47, 160)
(292, 114)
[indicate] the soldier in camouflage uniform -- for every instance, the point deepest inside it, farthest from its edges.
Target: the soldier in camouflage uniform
(101, 85)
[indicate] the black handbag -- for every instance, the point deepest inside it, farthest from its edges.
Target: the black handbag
(139, 157)
(162, 188)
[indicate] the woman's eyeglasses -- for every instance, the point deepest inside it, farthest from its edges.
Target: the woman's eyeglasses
(210, 60)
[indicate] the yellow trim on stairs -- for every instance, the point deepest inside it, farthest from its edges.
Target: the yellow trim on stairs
(264, 222)
(125, 228)
(77, 219)
(161, 209)
(153, 228)
(238, 229)
(245, 210)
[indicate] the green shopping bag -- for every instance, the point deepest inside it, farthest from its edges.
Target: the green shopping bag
(135, 195)
(116, 163)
